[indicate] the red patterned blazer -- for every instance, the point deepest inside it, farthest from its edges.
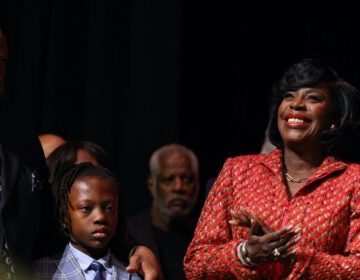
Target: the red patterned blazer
(326, 208)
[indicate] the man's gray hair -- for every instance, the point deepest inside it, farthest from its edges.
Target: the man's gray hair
(154, 163)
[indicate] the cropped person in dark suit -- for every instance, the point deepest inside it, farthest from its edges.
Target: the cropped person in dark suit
(25, 205)
(167, 228)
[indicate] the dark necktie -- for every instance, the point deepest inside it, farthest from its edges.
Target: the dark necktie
(98, 268)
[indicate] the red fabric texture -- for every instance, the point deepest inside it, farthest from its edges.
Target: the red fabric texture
(326, 208)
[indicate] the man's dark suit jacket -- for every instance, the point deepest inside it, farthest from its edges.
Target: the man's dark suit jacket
(26, 202)
(141, 230)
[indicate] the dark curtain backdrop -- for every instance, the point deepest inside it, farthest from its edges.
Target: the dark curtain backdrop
(134, 75)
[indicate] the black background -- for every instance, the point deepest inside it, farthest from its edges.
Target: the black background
(134, 75)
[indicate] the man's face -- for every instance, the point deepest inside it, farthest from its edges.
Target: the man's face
(175, 190)
(3, 58)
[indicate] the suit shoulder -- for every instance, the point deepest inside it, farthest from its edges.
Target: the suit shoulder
(247, 159)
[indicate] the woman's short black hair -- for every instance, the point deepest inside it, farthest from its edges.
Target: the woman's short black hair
(64, 182)
(342, 141)
(65, 155)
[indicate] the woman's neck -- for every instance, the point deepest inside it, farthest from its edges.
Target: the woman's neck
(302, 162)
(299, 167)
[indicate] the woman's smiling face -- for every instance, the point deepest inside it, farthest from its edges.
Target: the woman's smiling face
(304, 114)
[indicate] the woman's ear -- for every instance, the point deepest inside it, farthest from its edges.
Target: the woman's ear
(332, 122)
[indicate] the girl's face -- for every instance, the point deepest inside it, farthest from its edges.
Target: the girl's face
(93, 211)
(304, 114)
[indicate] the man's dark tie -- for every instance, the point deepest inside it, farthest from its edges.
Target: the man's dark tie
(98, 268)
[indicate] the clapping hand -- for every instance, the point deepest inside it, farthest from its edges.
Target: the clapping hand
(264, 243)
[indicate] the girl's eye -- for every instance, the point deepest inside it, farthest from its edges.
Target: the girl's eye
(110, 209)
(85, 208)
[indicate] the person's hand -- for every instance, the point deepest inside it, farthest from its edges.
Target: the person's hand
(145, 262)
(240, 218)
(264, 243)
(273, 245)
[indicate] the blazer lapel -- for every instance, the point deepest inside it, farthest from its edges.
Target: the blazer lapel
(69, 267)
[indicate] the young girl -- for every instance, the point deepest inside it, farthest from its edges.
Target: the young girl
(89, 208)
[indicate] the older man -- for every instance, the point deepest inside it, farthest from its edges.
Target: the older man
(167, 228)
